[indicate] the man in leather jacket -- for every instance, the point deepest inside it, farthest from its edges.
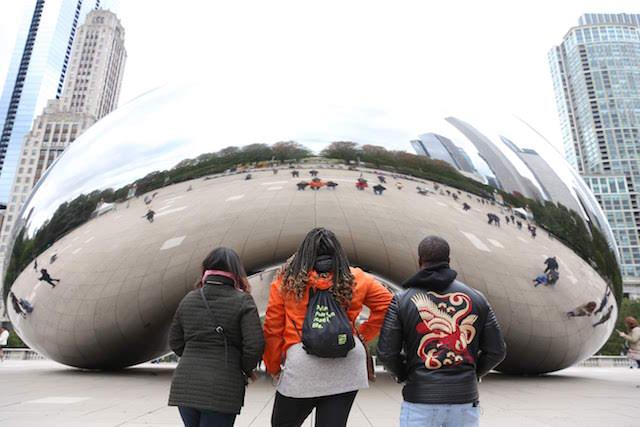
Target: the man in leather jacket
(439, 337)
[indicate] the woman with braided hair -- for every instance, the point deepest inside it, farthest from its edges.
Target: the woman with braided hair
(306, 381)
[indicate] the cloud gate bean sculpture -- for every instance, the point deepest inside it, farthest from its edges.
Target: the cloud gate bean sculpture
(113, 235)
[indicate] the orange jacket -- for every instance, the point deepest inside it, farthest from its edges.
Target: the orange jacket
(279, 332)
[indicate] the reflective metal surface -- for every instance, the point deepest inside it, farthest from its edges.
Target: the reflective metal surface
(119, 272)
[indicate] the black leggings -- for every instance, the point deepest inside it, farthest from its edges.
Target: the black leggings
(331, 411)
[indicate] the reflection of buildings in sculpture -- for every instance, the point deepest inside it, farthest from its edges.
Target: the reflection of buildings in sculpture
(508, 178)
(91, 91)
(597, 86)
(439, 147)
(40, 61)
(554, 188)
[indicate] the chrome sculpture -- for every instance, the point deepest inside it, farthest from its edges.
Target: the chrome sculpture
(107, 245)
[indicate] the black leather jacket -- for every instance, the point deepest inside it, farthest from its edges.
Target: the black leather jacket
(440, 336)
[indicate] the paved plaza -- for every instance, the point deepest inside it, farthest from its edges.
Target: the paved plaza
(44, 393)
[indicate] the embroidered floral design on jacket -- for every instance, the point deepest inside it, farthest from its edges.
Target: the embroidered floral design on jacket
(447, 328)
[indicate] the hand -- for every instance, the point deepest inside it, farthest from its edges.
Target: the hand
(275, 378)
(253, 376)
(619, 332)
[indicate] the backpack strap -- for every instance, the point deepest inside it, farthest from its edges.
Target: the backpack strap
(219, 329)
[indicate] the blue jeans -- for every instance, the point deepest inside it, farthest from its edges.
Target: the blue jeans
(195, 418)
(426, 415)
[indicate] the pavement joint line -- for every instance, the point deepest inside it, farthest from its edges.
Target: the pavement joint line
(232, 198)
(170, 211)
(495, 243)
(172, 243)
(475, 241)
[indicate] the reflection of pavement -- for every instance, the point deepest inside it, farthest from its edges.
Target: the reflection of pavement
(44, 393)
(122, 277)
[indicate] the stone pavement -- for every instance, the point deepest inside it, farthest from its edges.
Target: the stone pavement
(44, 393)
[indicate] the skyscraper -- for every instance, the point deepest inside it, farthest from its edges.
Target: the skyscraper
(37, 72)
(91, 91)
(596, 78)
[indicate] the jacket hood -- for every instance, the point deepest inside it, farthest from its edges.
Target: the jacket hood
(436, 277)
(323, 264)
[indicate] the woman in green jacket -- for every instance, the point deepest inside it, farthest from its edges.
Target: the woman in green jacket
(216, 332)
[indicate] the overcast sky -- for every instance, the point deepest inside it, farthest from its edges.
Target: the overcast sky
(454, 57)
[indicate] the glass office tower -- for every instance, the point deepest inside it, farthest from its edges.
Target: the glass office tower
(596, 78)
(36, 73)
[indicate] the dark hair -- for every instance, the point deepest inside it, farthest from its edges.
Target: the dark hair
(317, 242)
(433, 249)
(226, 259)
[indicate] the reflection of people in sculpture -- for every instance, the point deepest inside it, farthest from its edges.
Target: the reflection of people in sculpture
(465, 206)
(552, 277)
(378, 189)
(149, 215)
(332, 185)
(361, 184)
(15, 304)
(45, 277)
(583, 310)
(422, 191)
(541, 279)
(604, 317)
(35, 264)
(302, 185)
(20, 306)
(551, 263)
(313, 172)
(247, 177)
(295, 174)
(632, 338)
(53, 258)
(399, 185)
(604, 301)
(316, 184)
(382, 179)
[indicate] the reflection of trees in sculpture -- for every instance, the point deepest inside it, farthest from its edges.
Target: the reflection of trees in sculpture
(405, 163)
(565, 224)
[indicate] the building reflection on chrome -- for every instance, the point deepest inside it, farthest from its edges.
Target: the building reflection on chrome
(112, 237)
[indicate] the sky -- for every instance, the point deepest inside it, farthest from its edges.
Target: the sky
(427, 59)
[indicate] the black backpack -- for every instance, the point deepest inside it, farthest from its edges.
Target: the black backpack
(326, 331)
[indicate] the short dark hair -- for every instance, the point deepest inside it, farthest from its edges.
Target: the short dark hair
(433, 249)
